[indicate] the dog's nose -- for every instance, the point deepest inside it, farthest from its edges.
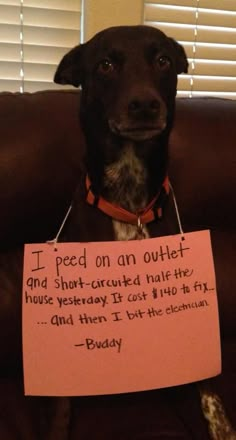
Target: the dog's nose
(150, 106)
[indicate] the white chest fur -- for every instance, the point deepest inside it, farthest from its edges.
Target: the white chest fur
(126, 182)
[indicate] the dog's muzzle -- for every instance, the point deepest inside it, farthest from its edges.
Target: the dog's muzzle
(143, 119)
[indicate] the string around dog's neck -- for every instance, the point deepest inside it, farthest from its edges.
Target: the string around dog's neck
(153, 210)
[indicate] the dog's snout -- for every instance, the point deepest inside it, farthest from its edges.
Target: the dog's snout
(139, 105)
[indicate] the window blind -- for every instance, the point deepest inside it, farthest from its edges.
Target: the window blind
(34, 35)
(207, 30)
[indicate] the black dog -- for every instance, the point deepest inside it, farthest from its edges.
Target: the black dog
(128, 77)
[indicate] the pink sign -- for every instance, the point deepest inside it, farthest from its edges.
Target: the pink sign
(115, 317)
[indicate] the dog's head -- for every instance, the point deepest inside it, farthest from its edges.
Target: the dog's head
(128, 76)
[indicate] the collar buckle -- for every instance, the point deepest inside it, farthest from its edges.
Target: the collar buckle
(140, 230)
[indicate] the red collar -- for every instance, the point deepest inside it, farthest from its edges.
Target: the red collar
(152, 212)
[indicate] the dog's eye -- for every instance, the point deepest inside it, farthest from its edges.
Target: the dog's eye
(163, 62)
(105, 66)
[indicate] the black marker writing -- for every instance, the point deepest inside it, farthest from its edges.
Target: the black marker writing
(37, 258)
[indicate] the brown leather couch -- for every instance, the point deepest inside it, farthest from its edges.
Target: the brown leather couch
(41, 149)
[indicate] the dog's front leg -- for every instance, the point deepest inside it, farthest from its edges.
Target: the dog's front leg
(219, 426)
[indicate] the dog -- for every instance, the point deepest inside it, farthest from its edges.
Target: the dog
(128, 77)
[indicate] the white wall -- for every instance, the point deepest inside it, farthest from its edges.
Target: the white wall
(99, 14)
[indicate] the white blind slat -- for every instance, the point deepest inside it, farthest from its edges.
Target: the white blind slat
(44, 72)
(208, 83)
(206, 67)
(218, 18)
(228, 95)
(222, 52)
(50, 37)
(10, 14)
(51, 55)
(216, 35)
(9, 52)
(36, 86)
(10, 85)
(151, 3)
(52, 19)
(207, 30)
(68, 5)
(9, 34)
(159, 14)
(10, 70)
(185, 33)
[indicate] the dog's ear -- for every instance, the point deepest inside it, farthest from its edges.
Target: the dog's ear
(70, 70)
(181, 58)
